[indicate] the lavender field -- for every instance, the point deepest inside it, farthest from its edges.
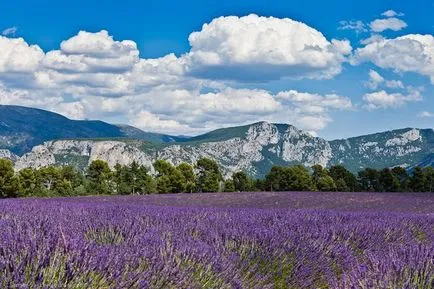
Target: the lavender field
(234, 240)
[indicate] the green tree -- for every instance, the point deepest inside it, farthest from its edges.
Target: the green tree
(72, 180)
(318, 172)
(322, 180)
(133, 179)
(64, 188)
(73, 175)
(229, 186)
(163, 167)
(29, 184)
(122, 187)
(300, 179)
(242, 182)
(163, 185)
(345, 180)
(144, 183)
(99, 178)
(169, 178)
(326, 184)
(9, 183)
(369, 180)
(190, 180)
(389, 182)
(401, 174)
(208, 175)
(259, 185)
(295, 178)
(273, 180)
(50, 178)
(429, 175)
(418, 180)
(341, 185)
(177, 181)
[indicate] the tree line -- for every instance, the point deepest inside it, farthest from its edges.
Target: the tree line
(204, 176)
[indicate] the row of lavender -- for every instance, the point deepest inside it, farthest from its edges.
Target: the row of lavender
(107, 243)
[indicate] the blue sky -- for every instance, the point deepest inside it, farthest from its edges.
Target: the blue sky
(143, 69)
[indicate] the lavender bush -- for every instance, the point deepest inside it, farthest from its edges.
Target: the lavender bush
(160, 242)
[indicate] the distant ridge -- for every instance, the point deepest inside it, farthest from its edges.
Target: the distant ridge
(37, 138)
(21, 128)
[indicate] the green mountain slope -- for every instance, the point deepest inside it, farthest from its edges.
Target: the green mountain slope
(21, 128)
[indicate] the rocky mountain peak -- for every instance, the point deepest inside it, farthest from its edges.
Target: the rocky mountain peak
(252, 148)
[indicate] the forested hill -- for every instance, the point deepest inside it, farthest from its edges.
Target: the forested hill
(22, 128)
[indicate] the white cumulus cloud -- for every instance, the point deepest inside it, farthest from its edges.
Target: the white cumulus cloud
(408, 53)
(93, 52)
(18, 56)
(93, 75)
(383, 99)
(311, 110)
(380, 25)
(99, 45)
(306, 100)
(152, 122)
(375, 80)
(255, 48)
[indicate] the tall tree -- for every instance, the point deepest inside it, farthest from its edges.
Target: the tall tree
(73, 175)
(133, 179)
(208, 175)
(317, 172)
(50, 178)
(389, 182)
(418, 180)
(177, 181)
(163, 167)
(326, 184)
(29, 182)
(322, 180)
(229, 186)
(190, 180)
(401, 174)
(300, 179)
(122, 184)
(242, 182)
(345, 180)
(163, 184)
(169, 178)
(99, 178)
(9, 183)
(273, 180)
(144, 183)
(259, 185)
(429, 175)
(295, 178)
(369, 180)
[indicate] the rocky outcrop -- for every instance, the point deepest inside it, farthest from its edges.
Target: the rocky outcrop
(6, 154)
(254, 150)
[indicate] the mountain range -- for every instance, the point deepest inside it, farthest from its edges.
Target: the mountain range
(21, 128)
(36, 138)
